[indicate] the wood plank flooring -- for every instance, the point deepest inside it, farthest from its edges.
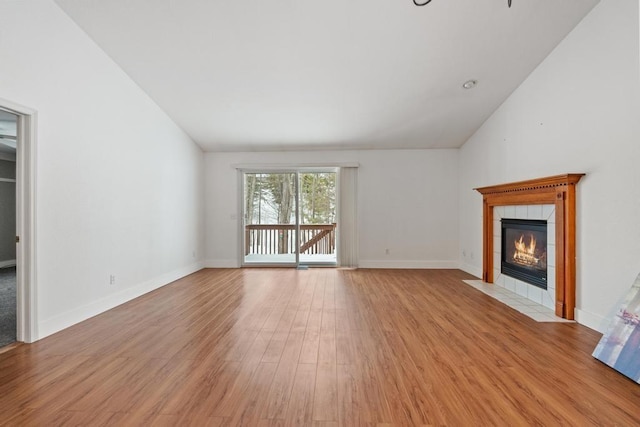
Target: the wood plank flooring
(318, 347)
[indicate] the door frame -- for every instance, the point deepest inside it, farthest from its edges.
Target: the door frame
(26, 272)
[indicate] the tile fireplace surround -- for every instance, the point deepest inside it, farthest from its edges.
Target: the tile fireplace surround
(538, 212)
(555, 195)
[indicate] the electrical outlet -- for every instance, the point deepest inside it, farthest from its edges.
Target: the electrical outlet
(112, 279)
(386, 251)
(193, 254)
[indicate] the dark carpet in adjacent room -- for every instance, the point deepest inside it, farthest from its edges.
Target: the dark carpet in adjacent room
(7, 305)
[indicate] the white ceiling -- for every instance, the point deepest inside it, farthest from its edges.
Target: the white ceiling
(301, 74)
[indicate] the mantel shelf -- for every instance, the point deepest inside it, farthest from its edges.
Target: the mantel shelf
(533, 184)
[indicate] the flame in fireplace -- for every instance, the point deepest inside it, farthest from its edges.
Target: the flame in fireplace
(525, 254)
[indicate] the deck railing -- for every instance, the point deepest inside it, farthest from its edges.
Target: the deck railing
(268, 239)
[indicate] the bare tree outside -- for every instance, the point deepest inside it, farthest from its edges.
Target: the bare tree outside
(318, 197)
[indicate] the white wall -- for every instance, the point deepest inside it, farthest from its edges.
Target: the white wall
(407, 202)
(119, 185)
(579, 111)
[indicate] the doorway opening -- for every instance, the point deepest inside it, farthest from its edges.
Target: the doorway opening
(8, 282)
(17, 231)
(289, 218)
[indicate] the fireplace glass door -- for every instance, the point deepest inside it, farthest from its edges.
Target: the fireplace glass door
(524, 250)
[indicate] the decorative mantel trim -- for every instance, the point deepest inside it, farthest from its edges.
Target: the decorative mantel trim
(559, 190)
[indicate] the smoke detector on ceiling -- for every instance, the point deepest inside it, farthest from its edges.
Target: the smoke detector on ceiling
(470, 84)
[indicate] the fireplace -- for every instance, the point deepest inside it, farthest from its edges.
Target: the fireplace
(524, 250)
(559, 190)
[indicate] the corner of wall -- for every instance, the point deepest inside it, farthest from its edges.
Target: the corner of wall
(471, 269)
(221, 263)
(591, 320)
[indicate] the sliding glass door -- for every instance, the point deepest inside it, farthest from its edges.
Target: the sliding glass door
(289, 218)
(317, 197)
(270, 214)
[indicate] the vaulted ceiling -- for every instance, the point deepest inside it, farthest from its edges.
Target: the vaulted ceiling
(331, 74)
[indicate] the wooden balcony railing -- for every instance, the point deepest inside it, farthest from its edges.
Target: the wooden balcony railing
(268, 239)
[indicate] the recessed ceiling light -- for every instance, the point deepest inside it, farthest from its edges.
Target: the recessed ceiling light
(470, 84)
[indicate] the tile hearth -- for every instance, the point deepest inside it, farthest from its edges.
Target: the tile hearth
(529, 308)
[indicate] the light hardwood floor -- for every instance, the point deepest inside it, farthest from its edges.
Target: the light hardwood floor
(320, 347)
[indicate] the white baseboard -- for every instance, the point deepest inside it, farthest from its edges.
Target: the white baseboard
(77, 315)
(232, 263)
(471, 269)
(7, 263)
(591, 320)
(221, 263)
(408, 264)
